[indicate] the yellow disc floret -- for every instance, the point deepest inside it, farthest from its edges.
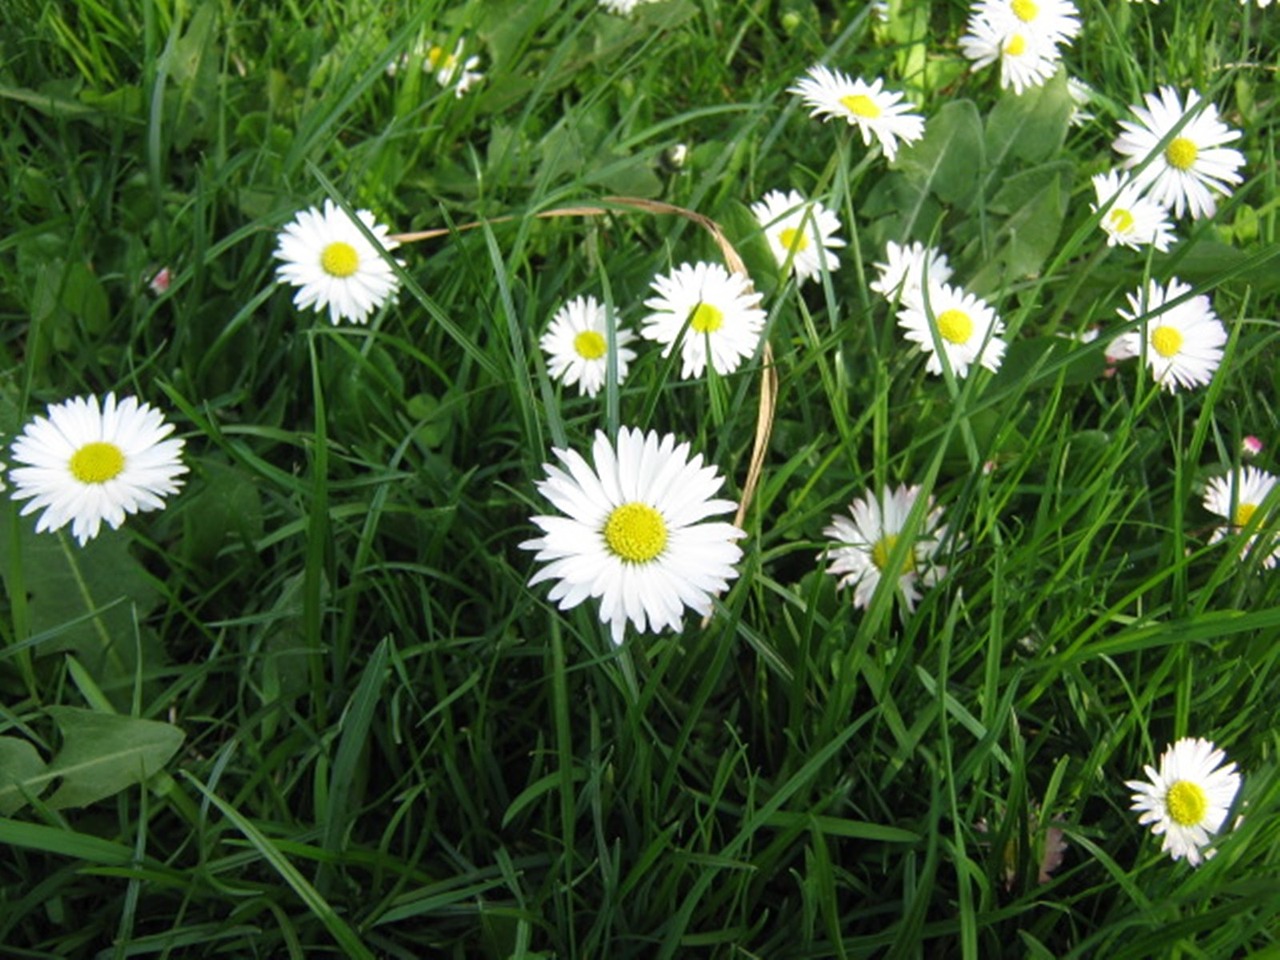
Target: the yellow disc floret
(1016, 46)
(1167, 341)
(793, 239)
(860, 105)
(635, 532)
(339, 259)
(97, 462)
(706, 318)
(883, 550)
(590, 345)
(1121, 220)
(955, 326)
(1025, 10)
(1181, 154)
(1187, 803)
(1244, 513)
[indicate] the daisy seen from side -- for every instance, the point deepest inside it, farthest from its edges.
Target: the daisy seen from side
(709, 312)
(866, 543)
(1183, 341)
(800, 232)
(577, 345)
(1187, 800)
(964, 325)
(634, 532)
(84, 463)
(1193, 164)
(875, 111)
(1237, 498)
(1132, 219)
(324, 254)
(906, 269)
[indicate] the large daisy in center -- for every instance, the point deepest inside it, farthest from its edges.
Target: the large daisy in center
(635, 532)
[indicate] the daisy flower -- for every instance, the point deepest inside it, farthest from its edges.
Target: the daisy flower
(799, 232)
(327, 257)
(1132, 220)
(865, 545)
(1183, 342)
(1192, 166)
(1081, 95)
(906, 269)
(622, 7)
(576, 345)
(1250, 446)
(716, 312)
(451, 70)
(965, 326)
(635, 533)
(1187, 800)
(868, 106)
(1052, 21)
(83, 463)
(1027, 59)
(1237, 498)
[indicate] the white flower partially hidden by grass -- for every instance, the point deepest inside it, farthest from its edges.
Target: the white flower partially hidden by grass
(1081, 95)
(1191, 167)
(906, 269)
(334, 266)
(623, 7)
(577, 343)
(1132, 220)
(866, 544)
(84, 464)
(1183, 342)
(875, 111)
(1238, 498)
(451, 70)
(708, 311)
(965, 326)
(1026, 59)
(1187, 800)
(635, 533)
(800, 232)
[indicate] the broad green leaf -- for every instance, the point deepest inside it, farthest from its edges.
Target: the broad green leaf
(945, 159)
(1029, 127)
(102, 753)
(20, 763)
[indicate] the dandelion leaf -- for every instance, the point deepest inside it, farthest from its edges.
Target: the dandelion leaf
(20, 765)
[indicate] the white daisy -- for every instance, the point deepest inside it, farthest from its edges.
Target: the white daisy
(704, 307)
(1027, 59)
(623, 7)
(327, 257)
(451, 70)
(635, 533)
(1183, 342)
(868, 106)
(83, 464)
(966, 327)
(1238, 498)
(576, 345)
(799, 232)
(1187, 800)
(1132, 220)
(866, 545)
(1081, 95)
(907, 269)
(1191, 167)
(1052, 21)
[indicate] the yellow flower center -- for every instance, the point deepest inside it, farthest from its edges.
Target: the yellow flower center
(590, 345)
(1187, 803)
(1121, 220)
(860, 105)
(97, 462)
(339, 259)
(1244, 513)
(1016, 46)
(635, 532)
(955, 326)
(883, 550)
(706, 318)
(1167, 341)
(1181, 153)
(1025, 10)
(793, 239)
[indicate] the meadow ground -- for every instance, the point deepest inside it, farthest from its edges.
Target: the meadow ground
(878, 664)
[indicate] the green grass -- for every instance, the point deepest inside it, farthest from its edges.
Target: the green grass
(393, 747)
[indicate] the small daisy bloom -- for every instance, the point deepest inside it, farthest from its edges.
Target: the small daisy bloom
(865, 545)
(1238, 498)
(83, 463)
(876, 112)
(1049, 21)
(326, 256)
(1027, 60)
(1183, 342)
(1081, 95)
(799, 232)
(1132, 219)
(635, 533)
(715, 310)
(966, 327)
(622, 7)
(1193, 165)
(451, 70)
(1187, 799)
(906, 269)
(1251, 446)
(576, 345)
